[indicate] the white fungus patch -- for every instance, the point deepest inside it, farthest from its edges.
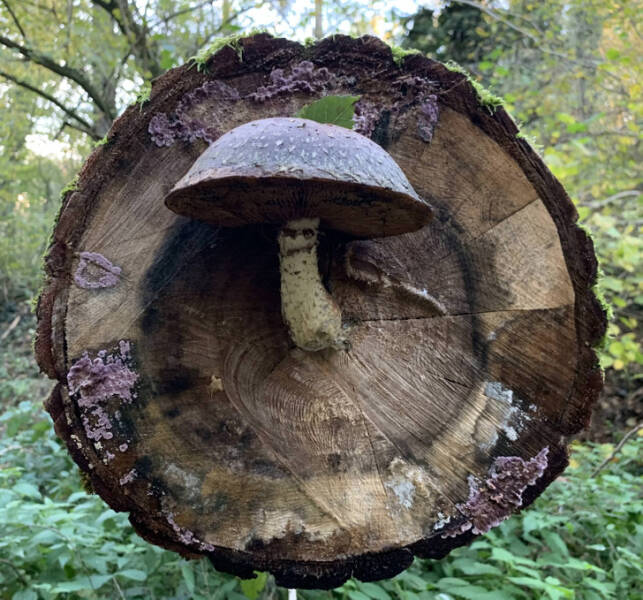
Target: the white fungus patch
(514, 418)
(404, 491)
(442, 521)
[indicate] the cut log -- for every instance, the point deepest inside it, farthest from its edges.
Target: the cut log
(182, 397)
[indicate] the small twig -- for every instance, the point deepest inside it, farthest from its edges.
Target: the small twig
(118, 588)
(16, 570)
(11, 327)
(626, 437)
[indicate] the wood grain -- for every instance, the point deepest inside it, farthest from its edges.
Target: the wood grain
(471, 339)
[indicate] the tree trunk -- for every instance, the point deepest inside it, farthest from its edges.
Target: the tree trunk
(471, 354)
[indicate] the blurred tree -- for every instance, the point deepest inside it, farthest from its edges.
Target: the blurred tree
(85, 58)
(457, 32)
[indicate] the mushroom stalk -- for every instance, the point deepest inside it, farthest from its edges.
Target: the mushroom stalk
(312, 316)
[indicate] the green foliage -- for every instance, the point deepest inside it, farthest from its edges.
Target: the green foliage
(338, 110)
(23, 237)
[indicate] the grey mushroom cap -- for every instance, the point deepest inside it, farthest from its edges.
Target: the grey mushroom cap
(278, 169)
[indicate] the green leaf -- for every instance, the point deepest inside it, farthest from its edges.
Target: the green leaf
(25, 595)
(374, 591)
(188, 576)
(134, 574)
(612, 53)
(471, 567)
(337, 110)
(27, 489)
(252, 588)
(81, 583)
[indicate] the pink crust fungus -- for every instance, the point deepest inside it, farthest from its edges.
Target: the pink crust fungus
(186, 536)
(428, 115)
(407, 91)
(495, 499)
(130, 476)
(96, 381)
(304, 77)
(95, 271)
(165, 129)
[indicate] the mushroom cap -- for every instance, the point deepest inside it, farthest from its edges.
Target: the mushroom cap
(278, 169)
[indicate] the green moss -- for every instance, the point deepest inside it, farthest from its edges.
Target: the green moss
(531, 140)
(143, 95)
(72, 186)
(399, 54)
(230, 41)
(101, 142)
(486, 98)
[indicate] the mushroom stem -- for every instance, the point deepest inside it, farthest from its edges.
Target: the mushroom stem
(313, 318)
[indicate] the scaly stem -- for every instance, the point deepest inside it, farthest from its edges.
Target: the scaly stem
(313, 318)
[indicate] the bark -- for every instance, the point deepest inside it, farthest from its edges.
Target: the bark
(471, 352)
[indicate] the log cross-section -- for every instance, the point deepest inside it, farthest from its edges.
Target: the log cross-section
(471, 341)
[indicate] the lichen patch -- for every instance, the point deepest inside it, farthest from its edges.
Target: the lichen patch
(96, 381)
(514, 419)
(495, 499)
(167, 128)
(94, 271)
(404, 491)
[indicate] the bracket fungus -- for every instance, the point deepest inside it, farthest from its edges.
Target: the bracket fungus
(301, 175)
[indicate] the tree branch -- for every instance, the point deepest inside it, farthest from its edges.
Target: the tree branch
(85, 126)
(68, 72)
(534, 38)
(15, 20)
(135, 33)
(183, 11)
(626, 437)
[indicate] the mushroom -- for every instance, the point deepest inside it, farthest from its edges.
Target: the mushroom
(301, 175)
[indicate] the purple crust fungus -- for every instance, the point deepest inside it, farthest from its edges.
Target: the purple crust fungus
(497, 497)
(428, 115)
(304, 77)
(408, 90)
(96, 381)
(165, 129)
(95, 271)
(300, 174)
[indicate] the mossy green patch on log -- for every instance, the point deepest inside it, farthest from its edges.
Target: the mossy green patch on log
(143, 95)
(399, 54)
(230, 41)
(486, 98)
(72, 186)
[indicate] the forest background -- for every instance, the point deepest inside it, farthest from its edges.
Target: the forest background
(569, 72)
